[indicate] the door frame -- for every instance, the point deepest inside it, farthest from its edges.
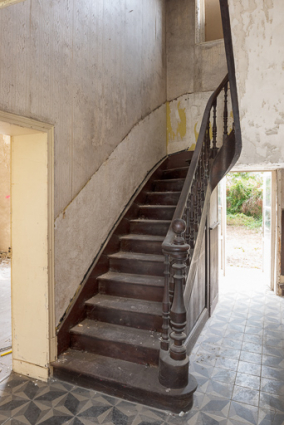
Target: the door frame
(9, 123)
(274, 221)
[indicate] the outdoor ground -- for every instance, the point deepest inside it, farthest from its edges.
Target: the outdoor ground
(244, 247)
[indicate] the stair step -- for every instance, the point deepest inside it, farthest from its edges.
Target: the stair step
(125, 311)
(159, 212)
(150, 227)
(142, 287)
(168, 185)
(149, 244)
(163, 198)
(175, 173)
(137, 383)
(121, 342)
(131, 262)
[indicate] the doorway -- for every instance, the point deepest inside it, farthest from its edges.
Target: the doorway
(31, 242)
(247, 214)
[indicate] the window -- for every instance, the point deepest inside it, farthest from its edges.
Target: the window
(208, 21)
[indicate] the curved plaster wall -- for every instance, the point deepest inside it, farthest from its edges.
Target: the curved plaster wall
(84, 225)
(258, 31)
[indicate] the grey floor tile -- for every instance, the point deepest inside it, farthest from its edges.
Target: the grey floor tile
(249, 357)
(230, 343)
(246, 395)
(252, 348)
(265, 417)
(273, 351)
(272, 361)
(272, 373)
(255, 339)
(272, 402)
(243, 413)
(272, 386)
(248, 381)
(225, 363)
(223, 375)
(249, 368)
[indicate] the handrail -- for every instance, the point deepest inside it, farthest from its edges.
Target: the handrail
(183, 242)
(193, 164)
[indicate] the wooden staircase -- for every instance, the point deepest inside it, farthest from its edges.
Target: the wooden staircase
(110, 340)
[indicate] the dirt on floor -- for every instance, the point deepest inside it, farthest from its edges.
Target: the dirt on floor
(244, 247)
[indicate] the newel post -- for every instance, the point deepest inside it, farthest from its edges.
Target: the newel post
(174, 363)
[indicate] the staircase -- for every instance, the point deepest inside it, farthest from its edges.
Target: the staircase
(114, 345)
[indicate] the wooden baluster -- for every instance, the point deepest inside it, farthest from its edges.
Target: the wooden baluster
(199, 191)
(178, 312)
(195, 209)
(191, 222)
(203, 172)
(174, 364)
(187, 220)
(207, 153)
(225, 116)
(214, 130)
(165, 341)
(171, 288)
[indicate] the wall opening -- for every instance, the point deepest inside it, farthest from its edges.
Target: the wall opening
(31, 241)
(208, 21)
(247, 213)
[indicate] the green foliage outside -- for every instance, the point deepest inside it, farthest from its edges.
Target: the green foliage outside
(244, 199)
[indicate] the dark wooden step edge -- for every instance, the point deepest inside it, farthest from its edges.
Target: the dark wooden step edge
(122, 379)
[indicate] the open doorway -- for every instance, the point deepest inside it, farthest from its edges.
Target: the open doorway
(27, 303)
(247, 213)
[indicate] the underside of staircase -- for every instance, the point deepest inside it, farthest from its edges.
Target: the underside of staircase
(110, 340)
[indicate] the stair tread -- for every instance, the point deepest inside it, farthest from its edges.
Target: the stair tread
(178, 179)
(157, 206)
(137, 236)
(168, 170)
(126, 304)
(137, 256)
(150, 221)
(133, 278)
(163, 192)
(120, 377)
(121, 334)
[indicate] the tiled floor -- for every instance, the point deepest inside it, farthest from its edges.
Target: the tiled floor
(238, 361)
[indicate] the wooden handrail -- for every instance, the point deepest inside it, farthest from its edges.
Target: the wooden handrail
(182, 244)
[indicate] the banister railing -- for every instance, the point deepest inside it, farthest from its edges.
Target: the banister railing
(210, 162)
(180, 242)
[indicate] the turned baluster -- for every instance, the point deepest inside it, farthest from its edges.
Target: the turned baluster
(214, 130)
(191, 223)
(187, 220)
(195, 209)
(178, 312)
(165, 341)
(225, 116)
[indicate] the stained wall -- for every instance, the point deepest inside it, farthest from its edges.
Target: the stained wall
(96, 70)
(257, 29)
(194, 71)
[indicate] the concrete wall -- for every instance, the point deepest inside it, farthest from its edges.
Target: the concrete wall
(194, 70)
(258, 32)
(95, 70)
(4, 193)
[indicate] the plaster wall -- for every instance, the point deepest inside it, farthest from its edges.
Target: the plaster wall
(93, 69)
(194, 70)
(4, 193)
(96, 70)
(257, 30)
(100, 203)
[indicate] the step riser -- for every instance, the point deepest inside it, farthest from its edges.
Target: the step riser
(162, 198)
(136, 354)
(136, 267)
(168, 186)
(141, 246)
(175, 174)
(125, 318)
(156, 213)
(128, 290)
(159, 229)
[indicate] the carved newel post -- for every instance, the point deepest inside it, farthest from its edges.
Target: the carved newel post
(174, 362)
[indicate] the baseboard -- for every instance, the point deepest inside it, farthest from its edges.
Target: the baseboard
(31, 370)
